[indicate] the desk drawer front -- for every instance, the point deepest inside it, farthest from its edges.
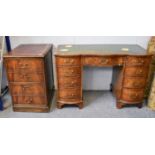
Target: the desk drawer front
(65, 82)
(29, 100)
(103, 61)
(24, 65)
(68, 61)
(137, 61)
(134, 82)
(25, 77)
(27, 89)
(136, 71)
(69, 94)
(97, 61)
(69, 71)
(133, 95)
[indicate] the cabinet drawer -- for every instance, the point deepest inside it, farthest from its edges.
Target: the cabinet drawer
(133, 95)
(137, 61)
(69, 71)
(136, 71)
(27, 89)
(24, 65)
(25, 77)
(69, 94)
(29, 100)
(134, 82)
(64, 82)
(68, 61)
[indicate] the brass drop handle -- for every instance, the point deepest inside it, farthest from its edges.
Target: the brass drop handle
(28, 101)
(24, 87)
(23, 65)
(104, 61)
(134, 96)
(136, 84)
(140, 72)
(69, 61)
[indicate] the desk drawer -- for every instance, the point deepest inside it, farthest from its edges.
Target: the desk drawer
(137, 61)
(25, 77)
(97, 61)
(27, 89)
(65, 82)
(69, 94)
(133, 95)
(68, 61)
(69, 71)
(134, 82)
(136, 71)
(29, 100)
(25, 65)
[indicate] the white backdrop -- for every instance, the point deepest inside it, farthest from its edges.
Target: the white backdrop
(94, 78)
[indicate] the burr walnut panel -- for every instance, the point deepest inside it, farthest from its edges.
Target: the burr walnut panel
(29, 65)
(69, 71)
(25, 77)
(27, 89)
(136, 71)
(133, 95)
(29, 100)
(137, 61)
(65, 82)
(134, 82)
(69, 94)
(68, 61)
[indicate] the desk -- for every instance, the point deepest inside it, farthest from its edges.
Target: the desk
(130, 71)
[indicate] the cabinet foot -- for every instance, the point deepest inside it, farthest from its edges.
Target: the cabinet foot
(140, 105)
(119, 105)
(80, 105)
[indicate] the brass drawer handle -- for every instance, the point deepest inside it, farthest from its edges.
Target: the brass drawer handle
(28, 101)
(139, 72)
(134, 96)
(137, 84)
(104, 61)
(69, 61)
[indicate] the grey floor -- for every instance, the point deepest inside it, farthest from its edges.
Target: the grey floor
(96, 105)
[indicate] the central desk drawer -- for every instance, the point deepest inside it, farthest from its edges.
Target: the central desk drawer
(25, 77)
(27, 89)
(69, 71)
(103, 61)
(25, 65)
(134, 82)
(136, 71)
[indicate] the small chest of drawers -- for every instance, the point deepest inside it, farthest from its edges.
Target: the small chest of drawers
(30, 78)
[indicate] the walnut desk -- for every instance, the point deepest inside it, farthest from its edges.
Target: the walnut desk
(130, 71)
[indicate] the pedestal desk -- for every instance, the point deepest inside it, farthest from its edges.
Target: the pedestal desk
(130, 71)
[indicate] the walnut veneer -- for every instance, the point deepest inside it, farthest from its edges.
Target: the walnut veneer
(30, 77)
(130, 64)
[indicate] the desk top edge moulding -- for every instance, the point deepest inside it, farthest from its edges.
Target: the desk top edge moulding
(30, 77)
(130, 71)
(100, 49)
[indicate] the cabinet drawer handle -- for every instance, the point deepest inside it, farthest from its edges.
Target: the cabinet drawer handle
(28, 101)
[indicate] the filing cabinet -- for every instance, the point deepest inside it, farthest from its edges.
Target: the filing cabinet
(30, 77)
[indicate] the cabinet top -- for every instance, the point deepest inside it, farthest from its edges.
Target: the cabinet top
(29, 50)
(107, 49)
